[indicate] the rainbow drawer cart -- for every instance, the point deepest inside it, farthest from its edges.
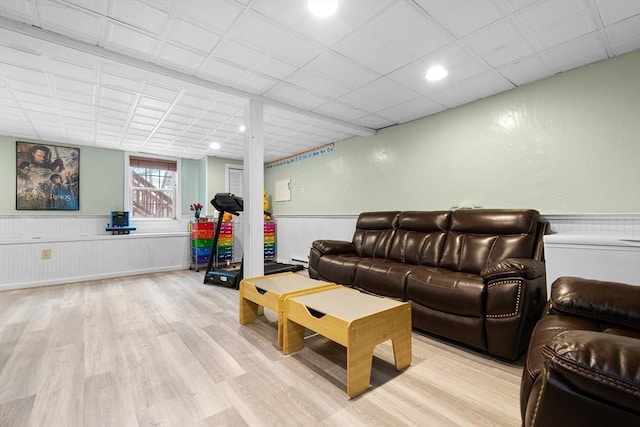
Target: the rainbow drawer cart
(202, 234)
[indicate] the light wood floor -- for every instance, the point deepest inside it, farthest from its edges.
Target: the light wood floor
(166, 350)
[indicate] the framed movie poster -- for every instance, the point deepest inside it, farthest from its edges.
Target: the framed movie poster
(47, 177)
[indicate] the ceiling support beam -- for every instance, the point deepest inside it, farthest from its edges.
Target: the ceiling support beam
(253, 224)
(61, 40)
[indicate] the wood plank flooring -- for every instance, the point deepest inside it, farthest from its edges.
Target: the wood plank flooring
(165, 350)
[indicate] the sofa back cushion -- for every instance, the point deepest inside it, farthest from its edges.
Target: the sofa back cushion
(374, 232)
(479, 237)
(420, 237)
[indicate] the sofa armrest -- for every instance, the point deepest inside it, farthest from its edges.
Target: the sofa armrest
(513, 267)
(609, 302)
(600, 365)
(333, 247)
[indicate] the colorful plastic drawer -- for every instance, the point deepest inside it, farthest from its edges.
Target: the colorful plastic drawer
(201, 251)
(201, 243)
(207, 225)
(201, 259)
(202, 234)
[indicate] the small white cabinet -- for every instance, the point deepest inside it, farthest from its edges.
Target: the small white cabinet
(615, 259)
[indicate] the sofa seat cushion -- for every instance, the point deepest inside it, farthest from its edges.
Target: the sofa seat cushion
(339, 268)
(382, 277)
(447, 291)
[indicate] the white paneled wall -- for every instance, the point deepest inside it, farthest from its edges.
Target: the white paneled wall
(296, 233)
(81, 249)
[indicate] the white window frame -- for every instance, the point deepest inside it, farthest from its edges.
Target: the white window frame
(128, 202)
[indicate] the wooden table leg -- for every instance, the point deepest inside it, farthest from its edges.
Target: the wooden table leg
(402, 350)
(293, 336)
(359, 359)
(248, 311)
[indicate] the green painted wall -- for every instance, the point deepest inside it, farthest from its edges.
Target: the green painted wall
(101, 179)
(216, 179)
(567, 144)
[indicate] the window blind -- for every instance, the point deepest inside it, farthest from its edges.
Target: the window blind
(150, 163)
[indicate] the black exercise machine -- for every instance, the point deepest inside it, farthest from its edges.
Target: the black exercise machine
(231, 275)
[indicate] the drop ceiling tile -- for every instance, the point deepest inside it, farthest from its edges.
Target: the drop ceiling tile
(153, 103)
(113, 105)
(256, 84)
(161, 92)
(370, 53)
(509, 52)
(21, 57)
(70, 21)
(424, 40)
(493, 37)
(238, 54)
(18, 85)
(311, 82)
(412, 109)
(525, 70)
(144, 120)
(256, 31)
(176, 57)
(374, 121)
(576, 53)
(295, 96)
(571, 28)
(139, 15)
(120, 37)
(67, 68)
(487, 84)
(192, 36)
(222, 72)
(613, 11)
(453, 96)
(72, 85)
(298, 51)
(25, 74)
(75, 97)
(386, 92)
(17, 9)
(462, 17)
(625, 35)
(116, 95)
(275, 68)
(217, 15)
(150, 112)
(121, 82)
(545, 13)
(340, 110)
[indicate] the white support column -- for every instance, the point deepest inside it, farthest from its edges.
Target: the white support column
(253, 187)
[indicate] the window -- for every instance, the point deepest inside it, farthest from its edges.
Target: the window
(151, 187)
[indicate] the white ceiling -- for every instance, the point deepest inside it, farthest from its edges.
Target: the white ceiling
(171, 76)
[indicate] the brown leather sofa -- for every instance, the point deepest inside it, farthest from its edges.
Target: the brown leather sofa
(583, 363)
(473, 276)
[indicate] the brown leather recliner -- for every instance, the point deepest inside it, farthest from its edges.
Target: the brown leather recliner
(583, 363)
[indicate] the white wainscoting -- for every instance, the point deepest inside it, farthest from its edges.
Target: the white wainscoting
(82, 250)
(296, 233)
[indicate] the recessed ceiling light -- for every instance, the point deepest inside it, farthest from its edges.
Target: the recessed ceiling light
(242, 128)
(436, 73)
(323, 8)
(214, 145)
